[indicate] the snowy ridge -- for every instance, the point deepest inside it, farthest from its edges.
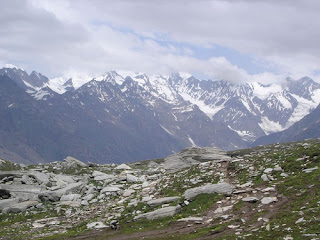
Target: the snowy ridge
(250, 109)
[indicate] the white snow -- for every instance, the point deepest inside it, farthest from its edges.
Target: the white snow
(191, 141)
(8, 65)
(285, 103)
(166, 130)
(304, 107)
(29, 85)
(162, 89)
(208, 110)
(262, 91)
(40, 94)
(269, 126)
(243, 134)
(56, 85)
(175, 117)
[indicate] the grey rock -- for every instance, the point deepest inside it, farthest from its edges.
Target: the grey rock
(250, 199)
(264, 177)
(191, 219)
(8, 202)
(123, 167)
(70, 197)
(64, 178)
(193, 156)
(57, 194)
(96, 225)
(309, 170)
(153, 164)
(73, 162)
(131, 178)
(88, 197)
(160, 201)
(268, 170)
(224, 188)
(160, 213)
(268, 200)
(128, 192)
(110, 189)
(100, 176)
(19, 207)
(23, 191)
(69, 203)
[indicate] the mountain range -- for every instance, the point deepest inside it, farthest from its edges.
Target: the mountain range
(126, 116)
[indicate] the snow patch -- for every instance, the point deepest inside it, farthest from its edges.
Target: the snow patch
(263, 91)
(209, 111)
(191, 141)
(269, 126)
(166, 130)
(40, 94)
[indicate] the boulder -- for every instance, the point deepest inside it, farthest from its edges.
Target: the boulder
(73, 162)
(268, 200)
(110, 189)
(23, 191)
(160, 201)
(19, 207)
(100, 176)
(250, 199)
(132, 179)
(8, 202)
(224, 188)
(96, 225)
(123, 167)
(160, 213)
(69, 203)
(57, 194)
(128, 192)
(193, 156)
(70, 197)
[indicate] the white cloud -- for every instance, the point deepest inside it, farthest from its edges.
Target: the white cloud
(90, 37)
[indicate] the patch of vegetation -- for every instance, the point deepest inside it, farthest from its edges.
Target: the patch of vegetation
(8, 166)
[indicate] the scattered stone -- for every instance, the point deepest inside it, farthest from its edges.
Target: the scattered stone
(161, 201)
(300, 220)
(8, 202)
(123, 167)
(110, 189)
(19, 207)
(268, 200)
(250, 199)
(223, 188)
(309, 170)
(73, 162)
(197, 220)
(96, 225)
(264, 177)
(160, 213)
(132, 179)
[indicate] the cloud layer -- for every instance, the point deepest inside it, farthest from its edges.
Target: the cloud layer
(66, 37)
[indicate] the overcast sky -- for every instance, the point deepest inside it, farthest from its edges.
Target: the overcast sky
(237, 40)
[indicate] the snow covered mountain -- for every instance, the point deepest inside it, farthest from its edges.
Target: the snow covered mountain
(163, 114)
(252, 109)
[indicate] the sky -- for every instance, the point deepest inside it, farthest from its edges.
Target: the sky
(235, 40)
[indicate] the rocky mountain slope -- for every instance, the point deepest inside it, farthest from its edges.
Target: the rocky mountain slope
(307, 127)
(269, 192)
(124, 116)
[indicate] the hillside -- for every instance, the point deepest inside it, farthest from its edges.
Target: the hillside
(267, 192)
(307, 127)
